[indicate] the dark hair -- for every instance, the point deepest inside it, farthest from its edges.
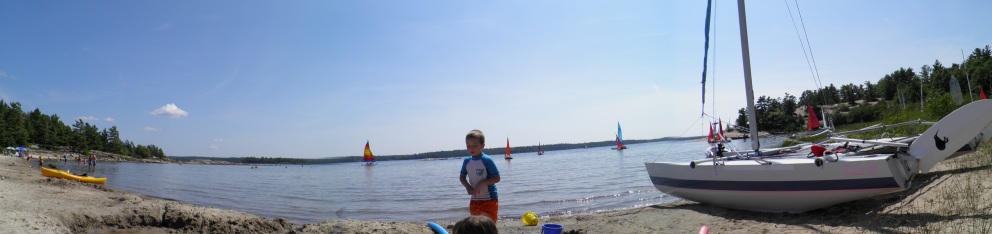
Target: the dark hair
(476, 224)
(476, 134)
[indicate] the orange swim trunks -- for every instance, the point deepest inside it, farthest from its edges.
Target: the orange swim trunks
(488, 208)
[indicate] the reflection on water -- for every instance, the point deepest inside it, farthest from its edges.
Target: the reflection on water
(368, 175)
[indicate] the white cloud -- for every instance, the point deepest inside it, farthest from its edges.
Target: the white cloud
(151, 129)
(5, 75)
(216, 143)
(88, 118)
(94, 119)
(163, 27)
(170, 110)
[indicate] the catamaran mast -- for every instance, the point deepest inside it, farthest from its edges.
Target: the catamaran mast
(966, 76)
(752, 118)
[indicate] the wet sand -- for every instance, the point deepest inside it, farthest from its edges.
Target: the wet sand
(955, 197)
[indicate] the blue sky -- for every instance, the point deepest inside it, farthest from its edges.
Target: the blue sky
(313, 79)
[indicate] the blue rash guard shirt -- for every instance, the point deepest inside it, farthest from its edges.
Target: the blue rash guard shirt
(481, 168)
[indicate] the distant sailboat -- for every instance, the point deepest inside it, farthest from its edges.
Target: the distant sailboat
(620, 145)
(369, 159)
(507, 154)
(539, 150)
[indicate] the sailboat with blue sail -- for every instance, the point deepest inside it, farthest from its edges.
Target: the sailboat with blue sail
(620, 145)
(795, 179)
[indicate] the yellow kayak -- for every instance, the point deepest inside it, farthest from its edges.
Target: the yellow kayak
(66, 175)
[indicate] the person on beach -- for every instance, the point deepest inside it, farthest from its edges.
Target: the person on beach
(476, 224)
(479, 175)
(92, 161)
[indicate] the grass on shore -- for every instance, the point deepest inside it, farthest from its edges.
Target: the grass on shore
(953, 200)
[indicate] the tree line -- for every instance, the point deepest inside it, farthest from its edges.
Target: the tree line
(18, 128)
(902, 87)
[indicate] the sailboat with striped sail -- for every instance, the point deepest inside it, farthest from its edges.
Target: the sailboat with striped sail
(368, 158)
(620, 145)
(507, 154)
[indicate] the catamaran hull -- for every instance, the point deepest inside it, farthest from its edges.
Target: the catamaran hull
(786, 185)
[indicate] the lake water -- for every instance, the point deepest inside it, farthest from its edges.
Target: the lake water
(558, 182)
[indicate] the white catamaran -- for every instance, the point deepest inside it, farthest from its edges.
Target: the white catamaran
(787, 180)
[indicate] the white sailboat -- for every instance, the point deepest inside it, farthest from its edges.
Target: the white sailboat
(787, 180)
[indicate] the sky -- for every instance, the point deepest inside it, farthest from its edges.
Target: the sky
(316, 79)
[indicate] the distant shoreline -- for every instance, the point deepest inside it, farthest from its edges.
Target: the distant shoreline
(420, 156)
(428, 156)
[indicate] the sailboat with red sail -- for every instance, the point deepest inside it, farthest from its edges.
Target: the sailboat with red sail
(539, 150)
(723, 137)
(368, 158)
(812, 122)
(717, 137)
(710, 137)
(507, 154)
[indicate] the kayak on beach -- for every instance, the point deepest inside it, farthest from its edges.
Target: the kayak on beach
(66, 175)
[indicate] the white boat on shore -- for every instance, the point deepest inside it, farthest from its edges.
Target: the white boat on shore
(789, 180)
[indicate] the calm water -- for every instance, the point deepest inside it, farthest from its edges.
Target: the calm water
(558, 182)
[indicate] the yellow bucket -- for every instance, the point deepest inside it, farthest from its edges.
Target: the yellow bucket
(529, 219)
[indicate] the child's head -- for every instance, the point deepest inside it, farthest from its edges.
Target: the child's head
(474, 142)
(476, 224)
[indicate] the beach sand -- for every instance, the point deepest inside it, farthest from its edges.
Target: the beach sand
(955, 197)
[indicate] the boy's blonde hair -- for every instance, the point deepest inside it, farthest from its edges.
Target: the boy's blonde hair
(476, 134)
(476, 224)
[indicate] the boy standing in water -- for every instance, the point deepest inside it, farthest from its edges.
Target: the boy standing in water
(479, 176)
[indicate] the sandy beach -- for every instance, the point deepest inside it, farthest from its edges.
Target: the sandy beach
(955, 197)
